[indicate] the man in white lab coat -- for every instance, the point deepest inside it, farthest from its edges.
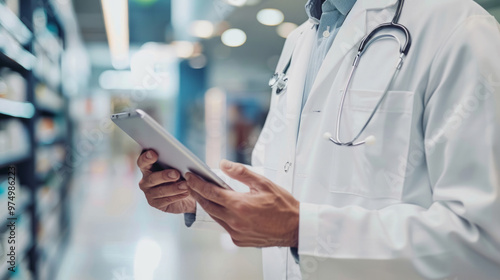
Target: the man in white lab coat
(422, 202)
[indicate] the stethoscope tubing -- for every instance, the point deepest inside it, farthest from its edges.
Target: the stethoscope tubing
(352, 143)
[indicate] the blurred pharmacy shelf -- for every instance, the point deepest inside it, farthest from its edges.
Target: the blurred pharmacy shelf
(35, 132)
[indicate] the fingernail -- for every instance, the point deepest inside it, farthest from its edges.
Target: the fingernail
(149, 155)
(183, 187)
(227, 164)
(172, 174)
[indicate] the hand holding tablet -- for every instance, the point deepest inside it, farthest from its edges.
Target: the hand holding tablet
(165, 189)
(164, 163)
(171, 153)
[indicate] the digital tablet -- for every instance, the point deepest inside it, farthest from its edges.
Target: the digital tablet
(171, 153)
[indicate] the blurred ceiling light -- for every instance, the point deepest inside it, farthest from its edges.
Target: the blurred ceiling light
(236, 3)
(116, 22)
(198, 62)
(285, 29)
(202, 29)
(270, 17)
(152, 67)
(234, 37)
(183, 49)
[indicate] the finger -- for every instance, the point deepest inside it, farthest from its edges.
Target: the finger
(166, 201)
(146, 160)
(210, 207)
(239, 172)
(158, 178)
(168, 190)
(208, 191)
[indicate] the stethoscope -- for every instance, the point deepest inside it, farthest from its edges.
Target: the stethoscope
(279, 81)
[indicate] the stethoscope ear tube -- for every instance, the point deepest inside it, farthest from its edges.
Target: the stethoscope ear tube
(405, 48)
(394, 25)
(399, 10)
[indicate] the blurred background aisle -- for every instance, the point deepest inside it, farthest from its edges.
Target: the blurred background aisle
(200, 67)
(118, 236)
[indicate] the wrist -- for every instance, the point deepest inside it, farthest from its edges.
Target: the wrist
(192, 210)
(293, 241)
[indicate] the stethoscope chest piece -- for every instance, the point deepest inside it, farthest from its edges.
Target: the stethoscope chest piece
(278, 81)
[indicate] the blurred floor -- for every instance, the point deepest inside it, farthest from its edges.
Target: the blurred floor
(116, 235)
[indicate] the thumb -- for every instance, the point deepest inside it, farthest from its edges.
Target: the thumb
(240, 173)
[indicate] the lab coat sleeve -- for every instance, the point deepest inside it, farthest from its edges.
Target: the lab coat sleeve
(202, 218)
(459, 234)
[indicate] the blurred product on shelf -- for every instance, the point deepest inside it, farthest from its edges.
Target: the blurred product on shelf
(49, 158)
(48, 99)
(49, 234)
(13, 140)
(13, 89)
(49, 130)
(48, 198)
(11, 22)
(13, 49)
(35, 127)
(13, 5)
(46, 68)
(47, 48)
(12, 86)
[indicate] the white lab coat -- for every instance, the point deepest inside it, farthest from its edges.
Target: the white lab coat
(424, 201)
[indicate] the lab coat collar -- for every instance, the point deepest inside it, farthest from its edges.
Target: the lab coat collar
(314, 8)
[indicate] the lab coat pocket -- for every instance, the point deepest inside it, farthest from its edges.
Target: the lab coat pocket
(370, 171)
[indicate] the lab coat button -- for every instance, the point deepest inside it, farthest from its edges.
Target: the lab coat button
(287, 166)
(326, 34)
